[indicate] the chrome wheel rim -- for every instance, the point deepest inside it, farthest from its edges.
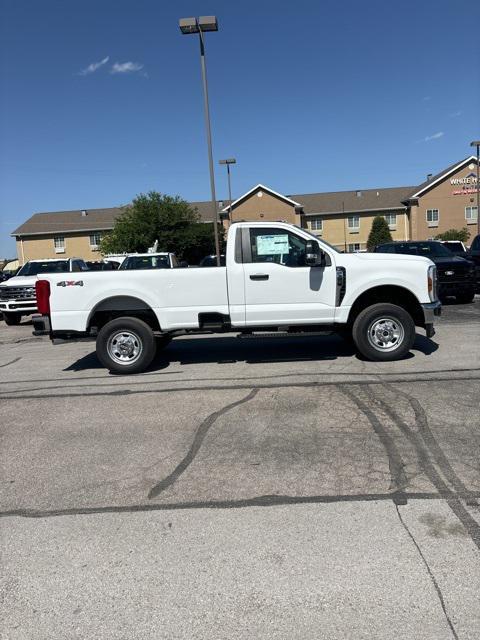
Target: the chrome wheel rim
(386, 334)
(124, 347)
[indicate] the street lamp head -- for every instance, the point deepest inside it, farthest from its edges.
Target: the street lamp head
(475, 143)
(188, 25)
(228, 161)
(208, 23)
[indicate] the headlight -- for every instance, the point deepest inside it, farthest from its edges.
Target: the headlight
(432, 282)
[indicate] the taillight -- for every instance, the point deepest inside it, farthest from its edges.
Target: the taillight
(42, 290)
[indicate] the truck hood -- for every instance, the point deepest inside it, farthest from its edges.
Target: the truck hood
(454, 261)
(20, 281)
(383, 257)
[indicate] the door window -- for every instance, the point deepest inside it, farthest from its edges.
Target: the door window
(277, 245)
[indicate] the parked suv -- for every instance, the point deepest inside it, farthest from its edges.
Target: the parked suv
(474, 256)
(17, 295)
(456, 276)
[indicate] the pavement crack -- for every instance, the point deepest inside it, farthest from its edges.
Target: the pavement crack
(395, 461)
(436, 450)
(428, 467)
(196, 445)
(7, 364)
(430, 573)
(242, 503)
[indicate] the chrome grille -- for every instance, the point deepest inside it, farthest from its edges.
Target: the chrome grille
(17, 293)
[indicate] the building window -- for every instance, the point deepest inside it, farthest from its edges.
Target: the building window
(354, 223)
(471, 215)
(391, 219)
(59, 243)
(316, 224)
(355, 246)
(433, 216)
(95, 240)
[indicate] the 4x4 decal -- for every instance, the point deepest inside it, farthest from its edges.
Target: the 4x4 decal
(70, 283)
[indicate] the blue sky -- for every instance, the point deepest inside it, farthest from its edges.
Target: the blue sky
(101, 99)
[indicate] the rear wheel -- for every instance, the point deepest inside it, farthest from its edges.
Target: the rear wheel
(12, 318)
(384, 332)
(126, 345)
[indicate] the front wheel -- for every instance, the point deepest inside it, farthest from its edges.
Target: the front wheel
(384, 332)
(126, 345)
(12, 318)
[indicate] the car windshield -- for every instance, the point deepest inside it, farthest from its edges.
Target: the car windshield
(426, 249)
(455, 246)
(145, 262)
(53, 266)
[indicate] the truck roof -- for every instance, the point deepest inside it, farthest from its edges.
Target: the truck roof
(54, 259)
(148, 255)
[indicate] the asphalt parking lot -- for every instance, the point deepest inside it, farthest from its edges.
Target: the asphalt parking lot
(275, 488)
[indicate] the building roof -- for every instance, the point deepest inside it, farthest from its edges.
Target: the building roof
(334, 202)
(353, 201)
(262, 187)
(69, 221)
(95, 220)
(431, 182)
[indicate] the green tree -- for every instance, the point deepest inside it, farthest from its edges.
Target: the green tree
(170, 220)
(379, 233)
(454, 234)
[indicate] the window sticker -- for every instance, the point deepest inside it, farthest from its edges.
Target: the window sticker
(272, 245)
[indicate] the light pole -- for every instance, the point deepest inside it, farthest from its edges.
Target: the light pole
(228, 162)
(476, 143)
(201, 25)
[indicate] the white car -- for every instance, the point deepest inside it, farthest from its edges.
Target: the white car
(278, 277)
(17, 295)
(135, 261)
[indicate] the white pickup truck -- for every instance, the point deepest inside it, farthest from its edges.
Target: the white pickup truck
(17, 295)
(277, 277)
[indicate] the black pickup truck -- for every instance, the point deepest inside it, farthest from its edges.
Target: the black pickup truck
(474, 256)
(456, 276)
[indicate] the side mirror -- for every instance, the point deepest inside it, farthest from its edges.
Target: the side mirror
(314, 256)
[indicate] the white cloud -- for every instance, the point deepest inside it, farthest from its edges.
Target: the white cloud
(94, 66)
(434, 136)
(126, 67)
(456, 114)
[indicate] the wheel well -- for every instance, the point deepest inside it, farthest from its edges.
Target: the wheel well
(119, 306)
(392, 294)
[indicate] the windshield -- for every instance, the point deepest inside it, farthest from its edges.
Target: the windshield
(426, 249)
(145, 262)
(319, 240)
(53, 266)
(455, 246)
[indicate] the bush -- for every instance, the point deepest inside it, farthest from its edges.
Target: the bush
(379, 233)
(454, 234)
(170, 220)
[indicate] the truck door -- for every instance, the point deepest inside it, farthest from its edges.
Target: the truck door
(279, 287)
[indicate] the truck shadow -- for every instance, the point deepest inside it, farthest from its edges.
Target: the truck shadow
(229, 349)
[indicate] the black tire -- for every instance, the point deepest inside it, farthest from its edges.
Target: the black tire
(465, 298)
(138, 337)
(400, 328)
(12, 318)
